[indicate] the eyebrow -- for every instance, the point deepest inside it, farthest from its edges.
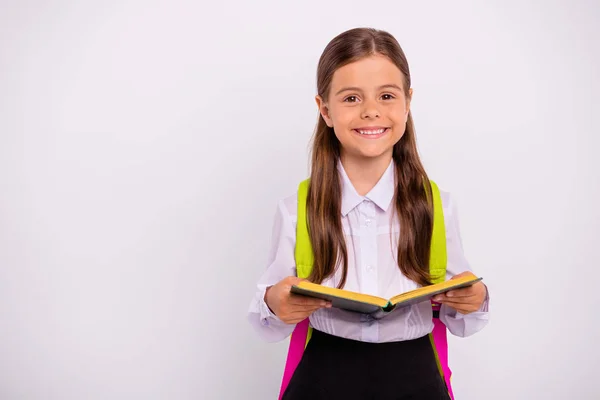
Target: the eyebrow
(357, 89)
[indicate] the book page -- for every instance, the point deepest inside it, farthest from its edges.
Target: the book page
(427, 292)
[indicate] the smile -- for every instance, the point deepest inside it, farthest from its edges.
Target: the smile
(371, 133)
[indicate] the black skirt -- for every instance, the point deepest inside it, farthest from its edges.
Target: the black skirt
(337, 368)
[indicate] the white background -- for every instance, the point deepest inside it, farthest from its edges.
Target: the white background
(144, 145)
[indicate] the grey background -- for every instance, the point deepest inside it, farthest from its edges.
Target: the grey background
(144, 145)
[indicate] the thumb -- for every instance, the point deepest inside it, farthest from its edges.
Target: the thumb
(294, 280)
(463, 274)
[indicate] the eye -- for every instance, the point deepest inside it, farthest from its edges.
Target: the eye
(351, 99)
(388, 96)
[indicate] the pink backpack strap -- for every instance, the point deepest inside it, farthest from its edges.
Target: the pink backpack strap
(304, 258)
(295, 351)
(440, 345)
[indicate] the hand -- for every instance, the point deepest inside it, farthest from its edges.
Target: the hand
(465, 300)
(289, 307)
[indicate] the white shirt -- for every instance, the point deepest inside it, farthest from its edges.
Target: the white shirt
(372, 269)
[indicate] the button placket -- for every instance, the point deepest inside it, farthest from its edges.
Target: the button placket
(369, 281)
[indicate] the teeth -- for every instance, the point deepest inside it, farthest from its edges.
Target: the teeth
(375, 132)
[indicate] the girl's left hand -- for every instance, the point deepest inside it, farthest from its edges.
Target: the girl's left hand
(465, 300)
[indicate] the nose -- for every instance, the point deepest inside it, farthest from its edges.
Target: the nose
(369, 110)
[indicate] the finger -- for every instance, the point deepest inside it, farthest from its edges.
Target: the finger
(467, 292)
(303, 309)
(464, 301)
(302, 305)
(302, 313)
(446, 297)
(293, 280)
(299, 305)
(306, 301)
(465, 273)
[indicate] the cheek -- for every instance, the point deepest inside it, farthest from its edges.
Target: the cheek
(400, 116)
(342, 119)
(402, 109)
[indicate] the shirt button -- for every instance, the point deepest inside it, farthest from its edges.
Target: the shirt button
(366, 318)
(368, 222)
(369, 268)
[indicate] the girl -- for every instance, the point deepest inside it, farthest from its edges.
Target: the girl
(370, 220)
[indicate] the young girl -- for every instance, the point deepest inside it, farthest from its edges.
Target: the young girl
(370, 217)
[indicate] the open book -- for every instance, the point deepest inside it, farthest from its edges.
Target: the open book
(368, 304)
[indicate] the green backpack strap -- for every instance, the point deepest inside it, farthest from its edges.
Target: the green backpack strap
(437, 259)
(437, 270)
(437, 251)
(303, 251)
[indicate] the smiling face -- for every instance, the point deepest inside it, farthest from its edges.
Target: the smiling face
(367, 106)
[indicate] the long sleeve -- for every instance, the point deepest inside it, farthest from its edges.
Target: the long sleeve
(459, 324)
(280, 264)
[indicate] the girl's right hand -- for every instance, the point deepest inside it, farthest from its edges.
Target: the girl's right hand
(289, 307)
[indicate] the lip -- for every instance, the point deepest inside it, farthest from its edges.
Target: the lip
(370, 128)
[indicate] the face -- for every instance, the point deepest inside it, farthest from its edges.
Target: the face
(367, 106)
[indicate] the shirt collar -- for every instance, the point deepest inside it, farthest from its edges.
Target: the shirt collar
(381, 194)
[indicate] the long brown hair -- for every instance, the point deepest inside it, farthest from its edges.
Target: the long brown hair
(413, 191)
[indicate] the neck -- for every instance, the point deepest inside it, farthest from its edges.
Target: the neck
(364, 173)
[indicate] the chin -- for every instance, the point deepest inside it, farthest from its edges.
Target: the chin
(374, 155)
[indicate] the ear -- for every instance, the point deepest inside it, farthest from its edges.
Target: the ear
(408, 100)
(324, 110)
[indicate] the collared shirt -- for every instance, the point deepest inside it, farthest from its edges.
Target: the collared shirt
(370, 233)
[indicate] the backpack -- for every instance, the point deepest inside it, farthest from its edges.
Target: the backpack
(437, 268)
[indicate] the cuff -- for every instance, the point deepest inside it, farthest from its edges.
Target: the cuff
(266, 315)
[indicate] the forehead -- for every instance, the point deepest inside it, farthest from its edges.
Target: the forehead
(367, 73)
